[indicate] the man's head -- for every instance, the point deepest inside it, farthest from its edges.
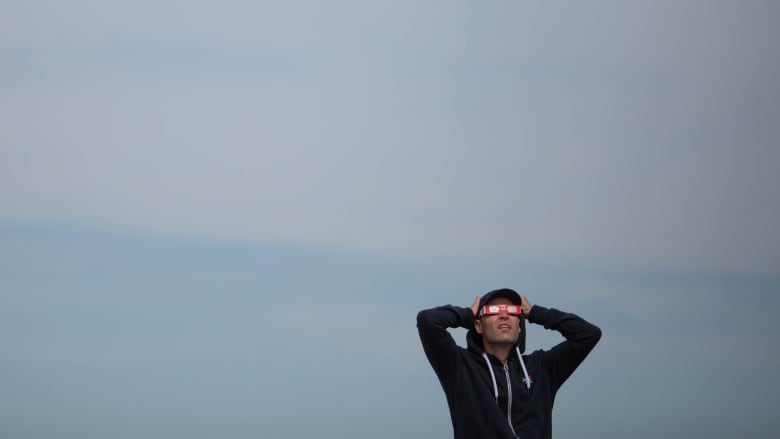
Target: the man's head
(500, 325)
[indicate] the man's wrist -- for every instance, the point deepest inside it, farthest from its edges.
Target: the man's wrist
(538, 314)
(467, 318)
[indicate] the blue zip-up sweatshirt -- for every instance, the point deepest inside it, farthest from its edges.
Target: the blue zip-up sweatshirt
(475, 411)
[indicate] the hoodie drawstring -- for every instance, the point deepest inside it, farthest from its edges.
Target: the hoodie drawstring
(492, 375)
(527, 380)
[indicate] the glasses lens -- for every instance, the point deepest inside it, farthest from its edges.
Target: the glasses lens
(497, 309)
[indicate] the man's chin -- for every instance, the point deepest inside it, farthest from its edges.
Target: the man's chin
(505, 340)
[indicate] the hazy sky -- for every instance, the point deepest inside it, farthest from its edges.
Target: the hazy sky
(219, 219)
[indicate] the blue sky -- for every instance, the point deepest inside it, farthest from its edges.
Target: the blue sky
(221, 220)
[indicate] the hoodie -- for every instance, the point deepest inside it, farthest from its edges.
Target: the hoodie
(489, 399)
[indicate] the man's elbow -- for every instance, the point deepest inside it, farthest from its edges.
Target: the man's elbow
(595, 335)
(424, 318)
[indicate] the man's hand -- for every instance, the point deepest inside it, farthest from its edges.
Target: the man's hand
(526, 305)
(475, 306)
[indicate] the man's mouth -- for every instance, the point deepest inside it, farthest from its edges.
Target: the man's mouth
(504, 326)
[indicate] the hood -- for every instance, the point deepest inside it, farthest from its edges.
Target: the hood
(474, 340)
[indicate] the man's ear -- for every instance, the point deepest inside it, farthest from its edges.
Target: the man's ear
(478, 326)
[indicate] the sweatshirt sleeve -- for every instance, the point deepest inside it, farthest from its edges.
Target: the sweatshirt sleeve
(580, 335)
(439, 346)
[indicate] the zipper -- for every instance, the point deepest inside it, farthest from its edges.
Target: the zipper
(509, 398)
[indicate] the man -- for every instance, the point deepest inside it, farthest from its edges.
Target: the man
(492, 388)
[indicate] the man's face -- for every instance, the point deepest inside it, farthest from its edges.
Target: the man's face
(498, 328)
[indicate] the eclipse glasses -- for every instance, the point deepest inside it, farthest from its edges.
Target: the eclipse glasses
(489, 310)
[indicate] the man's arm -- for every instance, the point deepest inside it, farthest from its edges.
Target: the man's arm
(580, 335)
(439, 346)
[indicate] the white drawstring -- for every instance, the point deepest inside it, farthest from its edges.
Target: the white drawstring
(527, 378)
(492, 375)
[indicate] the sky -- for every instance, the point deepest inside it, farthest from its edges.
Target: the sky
(220, 219)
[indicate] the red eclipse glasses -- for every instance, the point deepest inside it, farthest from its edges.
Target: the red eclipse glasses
(489, 310)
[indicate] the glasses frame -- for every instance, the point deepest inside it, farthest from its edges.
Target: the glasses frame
(491, 310)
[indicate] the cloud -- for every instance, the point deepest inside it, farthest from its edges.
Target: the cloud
(103, 329)
(633, 136)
